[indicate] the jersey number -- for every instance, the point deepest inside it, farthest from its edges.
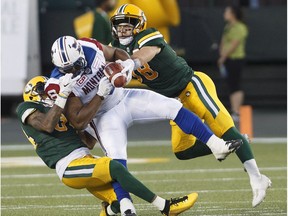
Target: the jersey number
(146, 72)
(61, 126)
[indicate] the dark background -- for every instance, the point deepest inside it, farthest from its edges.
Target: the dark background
(265, 74)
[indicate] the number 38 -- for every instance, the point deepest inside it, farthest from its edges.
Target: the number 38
(146, 72)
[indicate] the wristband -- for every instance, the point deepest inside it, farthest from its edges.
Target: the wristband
(61, 101)
(101, 97)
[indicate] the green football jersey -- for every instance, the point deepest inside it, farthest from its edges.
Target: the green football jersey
(166, 73)
(50, 147)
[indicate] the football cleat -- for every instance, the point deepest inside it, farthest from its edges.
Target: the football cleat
(104, 206)
(175, 206)
(129, 213)
(259, 189)
(228, 148)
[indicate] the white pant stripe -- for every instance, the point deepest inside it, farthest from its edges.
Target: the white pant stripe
(205, 96)
(80, 171)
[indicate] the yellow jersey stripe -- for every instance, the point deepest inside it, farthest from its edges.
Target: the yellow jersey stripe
(149, 37)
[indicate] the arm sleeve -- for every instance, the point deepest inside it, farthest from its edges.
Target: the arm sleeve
(152, 39)
(24, 110)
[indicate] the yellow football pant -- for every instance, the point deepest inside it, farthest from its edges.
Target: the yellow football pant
(201, 98)
(93, 174)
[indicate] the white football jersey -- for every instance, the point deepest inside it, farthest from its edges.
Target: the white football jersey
(87, 86)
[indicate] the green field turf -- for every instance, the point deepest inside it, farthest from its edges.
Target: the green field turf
(223, 187)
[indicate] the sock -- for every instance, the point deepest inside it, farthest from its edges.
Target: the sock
(110, 211)
(120, 192)
(129, 182)
(126, 204)
(213, 142)
(252, 169)
(166, 208)
(159, 202)
(192, 124)
(115, 207)
(199, 149)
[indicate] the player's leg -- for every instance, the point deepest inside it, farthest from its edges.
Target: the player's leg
(146, 105)
(112, 130)
(205, 103)
(167, 207)
(96, 174)
(258, 181)
(186, 146)
(93, 174)
(110, 204)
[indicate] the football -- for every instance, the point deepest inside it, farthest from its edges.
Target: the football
(52, 88)
(113, 70)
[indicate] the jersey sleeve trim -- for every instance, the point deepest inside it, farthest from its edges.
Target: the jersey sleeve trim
(27, 113)
(149, 37)
(93, 41)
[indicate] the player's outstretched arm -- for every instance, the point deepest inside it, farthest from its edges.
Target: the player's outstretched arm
(144, 55)
(113, 54)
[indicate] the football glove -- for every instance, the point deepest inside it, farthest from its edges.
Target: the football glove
(104, 88)
(128, 67)
(66, 84)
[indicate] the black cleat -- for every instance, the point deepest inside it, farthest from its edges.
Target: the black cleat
(229, 147)
(129, 213)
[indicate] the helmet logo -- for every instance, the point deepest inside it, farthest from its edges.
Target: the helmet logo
(74, 45)
(28, 88)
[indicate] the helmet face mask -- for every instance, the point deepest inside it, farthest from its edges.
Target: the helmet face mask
(67, 55)
(76, 66)
(34, 90)
(128, 14)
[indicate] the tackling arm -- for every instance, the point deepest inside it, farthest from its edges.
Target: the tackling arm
(113, 54)
(89, 140)
(144, 55)
(45, 121)
(78, 114)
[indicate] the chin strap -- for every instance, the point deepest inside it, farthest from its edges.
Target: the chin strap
(126, 41)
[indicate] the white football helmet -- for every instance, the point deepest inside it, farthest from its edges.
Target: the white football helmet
(67, 53)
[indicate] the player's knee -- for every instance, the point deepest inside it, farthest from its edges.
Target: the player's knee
(116, 169)
(179, 155)
(182, 155)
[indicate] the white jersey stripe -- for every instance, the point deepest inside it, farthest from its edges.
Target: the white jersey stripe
(27, 113)
(149, 39)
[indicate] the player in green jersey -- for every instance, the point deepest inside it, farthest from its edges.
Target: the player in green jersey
(59, 145)
(159, 67)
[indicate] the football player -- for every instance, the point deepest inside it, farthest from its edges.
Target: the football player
(122, 107)
(159, 67)
(59, 145)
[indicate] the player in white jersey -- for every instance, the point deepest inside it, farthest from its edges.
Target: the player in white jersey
(111, 113)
